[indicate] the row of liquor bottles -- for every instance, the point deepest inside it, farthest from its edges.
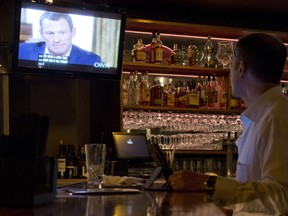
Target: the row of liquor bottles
(209, 92)
(191, 55)
(71, 165)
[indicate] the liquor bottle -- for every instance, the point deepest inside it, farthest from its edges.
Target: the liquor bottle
(235, 149)
(183, 56)
(209, 53)
(158, 50)
(133, 89)
(175, 58)
(125, 91)
(238, 103)
(284, 89)
(61, 159)
(157, 94)
(169, 95)
(233, 103)
(177, 91)
(71, 162)
(193, 95)
(84, 167)
(208, 93)
(139, 51)
(144, 90)
(214, 94)
(242, 104)
(130, 88)
(229, 157)
(151, 47)
(203, 93)
(81, 162)
(222, 94)
(191, 54)
(183, 95)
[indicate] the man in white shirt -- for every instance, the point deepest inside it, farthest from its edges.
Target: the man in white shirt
(261, 183)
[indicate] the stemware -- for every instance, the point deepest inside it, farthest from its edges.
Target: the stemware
(225, 53)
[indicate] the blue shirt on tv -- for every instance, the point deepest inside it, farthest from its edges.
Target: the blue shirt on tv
(30, 51)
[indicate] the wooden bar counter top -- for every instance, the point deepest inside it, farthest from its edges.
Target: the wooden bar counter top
(146, 203)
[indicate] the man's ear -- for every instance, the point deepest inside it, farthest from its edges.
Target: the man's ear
(242, 68)
(41, 32)
(73, 31)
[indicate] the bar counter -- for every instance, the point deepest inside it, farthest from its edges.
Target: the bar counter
(146, 203)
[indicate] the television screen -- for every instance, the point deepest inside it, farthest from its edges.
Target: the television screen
(71, 41)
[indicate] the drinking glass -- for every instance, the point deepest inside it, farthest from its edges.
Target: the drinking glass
(95, 162)
(225, 53)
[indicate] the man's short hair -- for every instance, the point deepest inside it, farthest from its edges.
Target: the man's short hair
(264, 54)
(55, 17)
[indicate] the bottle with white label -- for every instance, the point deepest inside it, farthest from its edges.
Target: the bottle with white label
(61, 159)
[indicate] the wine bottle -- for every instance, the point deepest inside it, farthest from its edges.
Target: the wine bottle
(61, 159)
(71, 162)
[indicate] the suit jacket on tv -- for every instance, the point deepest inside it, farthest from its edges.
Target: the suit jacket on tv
(30, 51)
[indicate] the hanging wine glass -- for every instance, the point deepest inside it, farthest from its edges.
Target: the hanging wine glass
(225, 53)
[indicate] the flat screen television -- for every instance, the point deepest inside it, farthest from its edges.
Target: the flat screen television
(75, 41)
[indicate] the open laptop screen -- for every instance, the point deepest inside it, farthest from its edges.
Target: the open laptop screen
(131, 146)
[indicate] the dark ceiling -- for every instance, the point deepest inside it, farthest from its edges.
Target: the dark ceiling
(269, 15)
(260, 14)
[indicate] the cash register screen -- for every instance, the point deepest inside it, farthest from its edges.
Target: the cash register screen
(131, 146)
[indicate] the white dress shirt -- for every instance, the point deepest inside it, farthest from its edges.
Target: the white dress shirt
(261, 183)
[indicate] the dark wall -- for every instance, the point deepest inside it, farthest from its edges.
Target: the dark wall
(81, 111)
(65, 101)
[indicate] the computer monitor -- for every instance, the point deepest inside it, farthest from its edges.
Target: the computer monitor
(131, 146)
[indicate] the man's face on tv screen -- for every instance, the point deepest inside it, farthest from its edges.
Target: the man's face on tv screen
(57, 35)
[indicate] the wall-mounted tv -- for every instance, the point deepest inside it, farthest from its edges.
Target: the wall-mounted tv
(61, 40)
